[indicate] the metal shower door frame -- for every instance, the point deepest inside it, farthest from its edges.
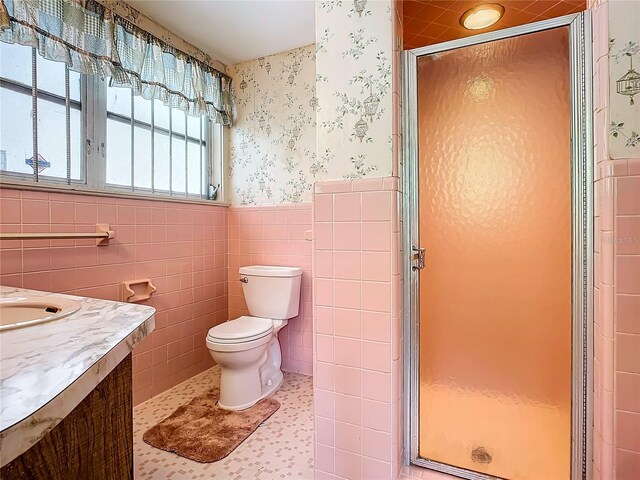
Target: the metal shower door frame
(582, 238)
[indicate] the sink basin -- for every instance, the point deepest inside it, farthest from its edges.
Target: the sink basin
(26, 311)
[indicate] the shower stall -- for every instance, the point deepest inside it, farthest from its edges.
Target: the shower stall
(497, 241)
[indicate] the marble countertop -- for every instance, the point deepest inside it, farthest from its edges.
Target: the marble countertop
(46, 370)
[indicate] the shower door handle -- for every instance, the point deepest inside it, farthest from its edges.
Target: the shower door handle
(418, 254)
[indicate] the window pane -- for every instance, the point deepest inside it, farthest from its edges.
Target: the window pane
(74, 86)
(177, 120)
(177, 165)
(193, 126)
(142, 157)
(52, 138)
(16, 131)
(195, 170)
(16, 63)
(77, 163)
(119, 101)
(118, 153)
(207, 126)
(142, 109)
(50, 76)
(160, 114)
(204, 159)
(161, 161)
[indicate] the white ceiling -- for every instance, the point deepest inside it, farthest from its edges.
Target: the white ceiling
(233, 31)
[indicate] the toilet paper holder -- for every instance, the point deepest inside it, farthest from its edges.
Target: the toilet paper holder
(133, 291)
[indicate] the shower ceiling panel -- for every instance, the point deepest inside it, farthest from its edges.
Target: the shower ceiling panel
(427, 22)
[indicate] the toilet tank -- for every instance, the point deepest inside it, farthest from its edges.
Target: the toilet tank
(271, 292)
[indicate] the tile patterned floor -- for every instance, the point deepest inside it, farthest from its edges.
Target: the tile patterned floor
(281, 448)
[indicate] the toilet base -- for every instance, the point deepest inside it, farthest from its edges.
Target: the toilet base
(269, 379)
(271, 390)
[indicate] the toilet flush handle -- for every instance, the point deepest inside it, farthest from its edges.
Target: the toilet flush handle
(244, 279)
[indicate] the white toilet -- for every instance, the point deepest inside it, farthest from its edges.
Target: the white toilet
(247, 348)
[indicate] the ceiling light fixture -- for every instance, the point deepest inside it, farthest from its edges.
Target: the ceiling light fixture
(482, 16)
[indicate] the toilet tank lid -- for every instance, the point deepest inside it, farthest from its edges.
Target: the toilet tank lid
(270, 271)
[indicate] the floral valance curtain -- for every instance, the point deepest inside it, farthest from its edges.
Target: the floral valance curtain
(93, 40)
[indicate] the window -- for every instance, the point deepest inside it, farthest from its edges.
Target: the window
(131, 144)
(153, 147)
(59, 116)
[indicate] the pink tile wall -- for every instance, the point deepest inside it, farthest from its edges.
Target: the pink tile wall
(357, 329)
(626, 307)
(617, 322)
(275, 235)
(616, 448)
(181, 247)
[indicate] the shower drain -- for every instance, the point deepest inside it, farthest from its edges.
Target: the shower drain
(481, 455)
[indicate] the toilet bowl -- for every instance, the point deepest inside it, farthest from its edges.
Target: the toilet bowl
(247, 348)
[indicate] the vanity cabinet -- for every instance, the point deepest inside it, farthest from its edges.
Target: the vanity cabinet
(93, 442)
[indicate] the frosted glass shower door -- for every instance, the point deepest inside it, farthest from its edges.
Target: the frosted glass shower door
(495, 220)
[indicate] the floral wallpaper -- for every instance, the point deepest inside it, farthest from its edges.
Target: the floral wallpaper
(624, 79)
(273, 143)
(321, 112)
(354, 44)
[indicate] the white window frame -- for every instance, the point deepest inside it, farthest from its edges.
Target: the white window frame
(93, 105)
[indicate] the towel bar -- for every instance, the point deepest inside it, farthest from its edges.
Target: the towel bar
(102, 235)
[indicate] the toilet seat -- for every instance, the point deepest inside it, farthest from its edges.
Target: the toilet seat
(241, 330)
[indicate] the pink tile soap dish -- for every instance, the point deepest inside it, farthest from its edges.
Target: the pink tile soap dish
(133, 291)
